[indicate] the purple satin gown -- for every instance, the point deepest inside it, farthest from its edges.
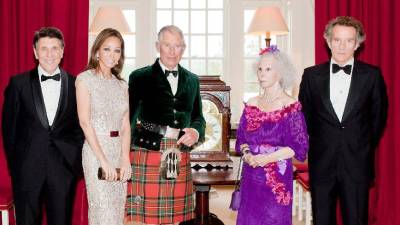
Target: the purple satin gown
(266, 192)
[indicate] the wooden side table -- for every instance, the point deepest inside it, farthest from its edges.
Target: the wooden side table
(203, 179)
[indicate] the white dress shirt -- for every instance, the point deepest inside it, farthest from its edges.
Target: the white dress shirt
(51, 93)
(339, 88)
(173, 81)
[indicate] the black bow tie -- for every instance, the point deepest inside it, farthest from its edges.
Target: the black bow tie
(173, 72)
(55, 77)
(346, 68)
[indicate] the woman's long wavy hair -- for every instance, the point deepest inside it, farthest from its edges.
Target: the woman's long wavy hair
(100, 39)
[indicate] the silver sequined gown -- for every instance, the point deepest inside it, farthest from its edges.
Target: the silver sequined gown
(108, 103)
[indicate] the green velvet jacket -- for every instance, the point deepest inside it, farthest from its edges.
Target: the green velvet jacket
(151, 99)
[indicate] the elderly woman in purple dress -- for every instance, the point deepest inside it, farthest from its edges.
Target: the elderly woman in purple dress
(272, 130)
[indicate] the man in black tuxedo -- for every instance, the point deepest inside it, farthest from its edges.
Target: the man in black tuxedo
(345, 106)
(42, 136)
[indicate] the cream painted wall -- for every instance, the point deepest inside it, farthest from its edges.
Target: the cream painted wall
(299, 43)
(302, 35)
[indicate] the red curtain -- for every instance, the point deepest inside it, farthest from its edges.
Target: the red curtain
(19, 20)
(381, 20)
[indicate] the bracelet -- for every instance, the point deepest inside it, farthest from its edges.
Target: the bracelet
(244, 149)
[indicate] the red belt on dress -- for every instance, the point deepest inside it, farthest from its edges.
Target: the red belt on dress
(114, 133)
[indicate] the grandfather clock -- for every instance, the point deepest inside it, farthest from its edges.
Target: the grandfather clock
(214, 151)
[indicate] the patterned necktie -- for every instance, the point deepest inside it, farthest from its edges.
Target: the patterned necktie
(173, 72)
(346, 69)
(55, 77)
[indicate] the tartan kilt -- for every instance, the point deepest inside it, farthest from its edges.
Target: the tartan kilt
(152, 199)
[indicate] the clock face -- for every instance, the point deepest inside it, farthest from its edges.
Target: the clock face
(213, 133)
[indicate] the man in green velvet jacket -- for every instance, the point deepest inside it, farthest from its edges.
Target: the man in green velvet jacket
(164, 94)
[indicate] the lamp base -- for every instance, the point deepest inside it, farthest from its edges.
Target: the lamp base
(267, 42)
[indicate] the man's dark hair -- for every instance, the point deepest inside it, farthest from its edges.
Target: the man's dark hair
(50, 32)
(348, 22)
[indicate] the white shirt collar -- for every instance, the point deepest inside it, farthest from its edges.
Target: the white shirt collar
(41, 71)
(163, 67)
(349, 62)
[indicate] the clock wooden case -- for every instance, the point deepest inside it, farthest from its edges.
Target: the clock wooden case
(215, 96)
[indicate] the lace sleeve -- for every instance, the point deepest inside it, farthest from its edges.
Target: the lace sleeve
(296, 136)
(240, 133)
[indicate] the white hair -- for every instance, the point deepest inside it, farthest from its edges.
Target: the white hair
(283, 65)
(172, 29)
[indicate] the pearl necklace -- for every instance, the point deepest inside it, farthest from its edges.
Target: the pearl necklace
(269, 99)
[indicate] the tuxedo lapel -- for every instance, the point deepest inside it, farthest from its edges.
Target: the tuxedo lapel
(38, 98)
(356, 85)
(62, 103)
(323, 82)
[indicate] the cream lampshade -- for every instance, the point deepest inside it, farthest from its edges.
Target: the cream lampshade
(268, 20)
(109, 17)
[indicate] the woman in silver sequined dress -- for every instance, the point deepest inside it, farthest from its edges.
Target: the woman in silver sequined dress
(103, 110)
